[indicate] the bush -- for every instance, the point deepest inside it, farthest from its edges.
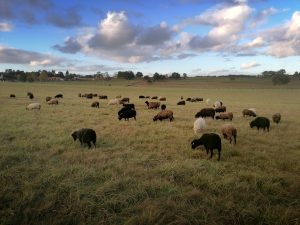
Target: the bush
(280, 79)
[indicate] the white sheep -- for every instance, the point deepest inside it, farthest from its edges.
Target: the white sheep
(114, 102)
(32, 106)
(253, 110)
(199, 125)
(228, 131)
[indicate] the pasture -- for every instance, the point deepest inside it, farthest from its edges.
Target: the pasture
(145, 172)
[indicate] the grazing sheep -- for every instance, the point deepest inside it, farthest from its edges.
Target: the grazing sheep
(276, 118)
(225, 116)
(95, 104)
(141, 96)
(181, 102)
(260, 122)
(152, 105)
(12, 95)
(162, 99)
(154, 97)
(48, 98)
(127, 113)
(59, 96)
(85, 135)
(33, 106)
(90, 95)
(220, 109)
(129, 106)
(102, 96)
(206, 112)
(210, 141)
(217, 104)
(30, 95)
(114, 102)
(165, 114)
(52, 102)
(199, 125)
(163, 107)
(229, 131)
(247, 112)
(125, 99)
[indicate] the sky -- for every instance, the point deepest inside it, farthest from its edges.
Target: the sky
(196, 37)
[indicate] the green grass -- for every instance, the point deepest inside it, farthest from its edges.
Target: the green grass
(144, 172)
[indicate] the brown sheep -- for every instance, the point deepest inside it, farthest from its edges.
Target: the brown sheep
(95, 104)
(181, 102)
(164, 114)
(162, 99)
(154, 97)
(225, 116)
(220, 109)
(52, 102)
(125, 100)
(247, 112)
(229, 131)
(276, 118)
(152, 105)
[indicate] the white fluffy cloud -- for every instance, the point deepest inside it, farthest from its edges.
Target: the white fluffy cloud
(5, 26)
(249, 65)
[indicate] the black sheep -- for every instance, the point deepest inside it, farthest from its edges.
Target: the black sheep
(126, 113)
(181, 102)
(85, 135)
(206, 112)
(129, 106)
(210, 141)
(30, 95)
(12, 96)
(220, 109)
(102, 96)
(89, 95)
(163, 107)
(260, 122)
(59, 96)
(141, 96)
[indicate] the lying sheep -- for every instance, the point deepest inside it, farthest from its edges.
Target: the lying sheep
(220, 109)
(48, 98)
(247, 112)
(210, 141)
(206, 112)
(181, 102)
(126, 113)
(197, 99)
(85, 135)
(163, 107)
(95, 95)
(199, 125)
(32, 106)
(114, 102)
(12, 95)
(52, 102)
(276, 118)
(253, 110)
(164, 114)
(260, 122)
(225, 116)
(229, 131)
(152, 105)
(95, 104)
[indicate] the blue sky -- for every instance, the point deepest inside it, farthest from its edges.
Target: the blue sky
(196, 37)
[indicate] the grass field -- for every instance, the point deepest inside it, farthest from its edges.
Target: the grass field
(144, 172)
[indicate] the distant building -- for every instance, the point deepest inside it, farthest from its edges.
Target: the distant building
(55, 79)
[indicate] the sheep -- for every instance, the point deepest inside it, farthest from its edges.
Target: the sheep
(85, 135)
(48, 98)
(33, 106)
(127, 113)
(141, 96)
(30, 95)
(114, 102)
(95, 95)
(95, 104)
(220, 109)
(276, 118)
(181, 102)
(199, 125)
(154, 97)
(225, 116)
(90, 95)
(52, 102)
(118, 96)
(253, 110)
(165, 114)
(207, 101)
(206, 112)
(188, 99)
(125, 99)
(162, 99)
(152, 105)
(260, 122)
(12, 95)
(197, 99)
(59, 96)
(147, 96)
(229, 131)
(217, 104)
(129, 106)
(210, 141)
(102, 96)
(247, 112)
(163, 107)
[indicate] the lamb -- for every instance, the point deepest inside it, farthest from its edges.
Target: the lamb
(260, 122)
(32, 106)
(59, 96)
(165, 114)
(220, 109)
(48, 98)
(95, 104)
(206, 112)
(229, 131)
(30, 95)
(225, 116)
(127, 113)
(199, 125)
(52, 102)
(181, 102)
(114, 102)
(162, 99)
(85, 135)
(163, 107)
(210, 141)
(152, 105)
(247, 112)
(276, 118)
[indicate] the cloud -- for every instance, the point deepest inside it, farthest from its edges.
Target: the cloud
(94, 68)
(71, 45)
(257, 42)
(263, 15)
(6, 27)
(249, 65)
(65, 19)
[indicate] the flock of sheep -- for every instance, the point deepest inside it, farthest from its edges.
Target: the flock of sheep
(210, 141)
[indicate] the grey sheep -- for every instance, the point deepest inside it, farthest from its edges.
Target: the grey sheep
(85, 135)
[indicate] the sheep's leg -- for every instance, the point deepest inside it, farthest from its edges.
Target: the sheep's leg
(230, 140)
(211, 153)
(134, 118)
(219, 154)
(89, 144)
(207, 150)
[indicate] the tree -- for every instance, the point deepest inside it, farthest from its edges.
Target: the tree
(128, 75)
(139, 75)
(184, 75)
(43, 76)
(280, 79)
(175, 75)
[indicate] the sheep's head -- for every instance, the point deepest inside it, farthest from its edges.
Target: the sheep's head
(195, 143)
(155, 118)
(74, 135)
(252, 124)
(217, 117)
(147, 103)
